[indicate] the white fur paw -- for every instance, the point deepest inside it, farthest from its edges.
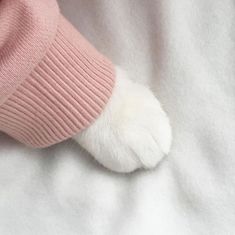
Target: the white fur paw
(132, 132)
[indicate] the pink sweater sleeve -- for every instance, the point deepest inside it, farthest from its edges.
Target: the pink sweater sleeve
(53, 83)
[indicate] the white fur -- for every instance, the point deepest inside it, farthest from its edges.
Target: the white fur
(132, 132)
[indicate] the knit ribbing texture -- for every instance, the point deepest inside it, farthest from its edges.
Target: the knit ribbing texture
(64, 93)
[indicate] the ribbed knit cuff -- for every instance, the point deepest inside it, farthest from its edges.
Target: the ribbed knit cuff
(64, 94)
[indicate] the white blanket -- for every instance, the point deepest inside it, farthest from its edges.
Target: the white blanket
(185, 51)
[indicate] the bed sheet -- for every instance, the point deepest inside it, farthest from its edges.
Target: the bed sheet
(185, 51)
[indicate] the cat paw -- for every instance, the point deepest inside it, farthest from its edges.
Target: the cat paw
(132, 132)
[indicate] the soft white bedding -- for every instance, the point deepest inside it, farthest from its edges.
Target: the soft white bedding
(185, 51)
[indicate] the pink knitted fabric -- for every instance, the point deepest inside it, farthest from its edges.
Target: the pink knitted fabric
(53, 83)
